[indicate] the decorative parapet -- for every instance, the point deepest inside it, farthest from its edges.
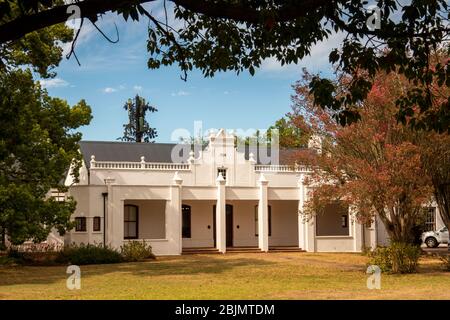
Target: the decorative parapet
(281, 168)
(139, 165)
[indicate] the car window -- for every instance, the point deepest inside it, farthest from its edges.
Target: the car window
(444, 229)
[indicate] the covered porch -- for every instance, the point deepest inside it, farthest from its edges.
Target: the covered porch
(199, 225)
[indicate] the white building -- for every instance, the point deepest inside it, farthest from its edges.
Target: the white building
(218, 197)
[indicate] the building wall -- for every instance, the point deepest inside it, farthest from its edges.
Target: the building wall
(89, 204)
(330, 222)
(244, 223)
(152, 219)
(284, 223)
(201, 224)
(160, 200)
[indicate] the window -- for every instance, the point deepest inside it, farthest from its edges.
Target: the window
(430, 219)
(97, 221)
(344, 221)
(186, 223)
(256, 220)
(222, 171)
(80, 224)
(130, 222)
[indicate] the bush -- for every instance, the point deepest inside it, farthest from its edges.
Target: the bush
(89, 254)
(7, 261)
(397, 258)
(136, 251)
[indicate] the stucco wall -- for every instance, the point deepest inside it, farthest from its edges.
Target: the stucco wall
(89, 204)
(334, 244)
(330, 222)
(152, 221)
(284, 223)
(201, 224)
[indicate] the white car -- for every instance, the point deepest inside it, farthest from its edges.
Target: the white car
(434, 238)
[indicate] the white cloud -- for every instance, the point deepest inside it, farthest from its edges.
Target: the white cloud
(53, 83)
(316, 61)
(109, 90)
(137, 88)
(226, 92)
(180, 93)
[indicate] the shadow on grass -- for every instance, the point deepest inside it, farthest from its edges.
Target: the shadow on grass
(183, 265)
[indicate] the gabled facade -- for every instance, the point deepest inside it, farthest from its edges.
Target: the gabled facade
(214, 197)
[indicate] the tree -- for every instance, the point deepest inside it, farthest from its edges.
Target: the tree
(138, 129)
(223, 35)
(436, 159)
(37, 146)
(373, 165)
(290, 131)
(38, 143)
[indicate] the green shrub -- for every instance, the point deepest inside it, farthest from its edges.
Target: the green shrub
(7, 261)
(397, 258)
(89, 254)
(136, 251)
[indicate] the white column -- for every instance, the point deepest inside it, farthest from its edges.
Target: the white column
(221, 231)
(356, 230)
(301, 218)
(174, 216)
(263, 216)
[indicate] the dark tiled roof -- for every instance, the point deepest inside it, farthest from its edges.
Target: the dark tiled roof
(128, 151)
(286, 156)
(160, 152)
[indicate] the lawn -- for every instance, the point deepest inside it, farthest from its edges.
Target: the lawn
(230, 276)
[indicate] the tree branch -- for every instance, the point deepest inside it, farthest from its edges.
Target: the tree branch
(19, 27)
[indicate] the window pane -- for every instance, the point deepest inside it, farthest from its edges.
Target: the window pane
(97, 221)
(132, 230)
(125, 230)
(256, 220)
(80, 224)
(186, 222)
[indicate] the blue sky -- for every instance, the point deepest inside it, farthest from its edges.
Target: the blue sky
(111, 73)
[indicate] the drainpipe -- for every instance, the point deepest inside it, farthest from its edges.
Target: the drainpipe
(104, 194)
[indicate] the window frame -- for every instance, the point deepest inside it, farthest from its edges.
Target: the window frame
(430, 224)
(186, 209)
(131, 221)
(99, 219)
(83, 224)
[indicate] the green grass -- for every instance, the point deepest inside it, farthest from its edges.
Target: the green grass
(231, 276)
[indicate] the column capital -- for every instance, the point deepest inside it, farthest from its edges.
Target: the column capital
(251, 158)
(301, 179)
(177, 180)
(92, 161)
(262, 180)
(220, 179)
